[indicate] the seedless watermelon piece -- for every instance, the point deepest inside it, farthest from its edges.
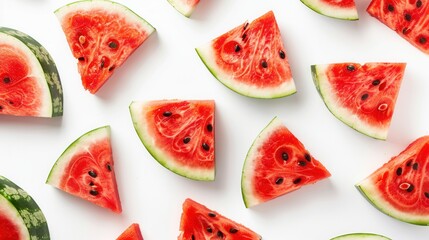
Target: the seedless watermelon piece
(361, 236)
(407, 18)
(199, 222)
(251, 59)
(86, 170)
(29, 81)
(400, 188)
(101, 35)
(20, 216)
(185, 7)
(340, 9)
(179, 134)
(277, 163)
(131, 233)
(361, 96)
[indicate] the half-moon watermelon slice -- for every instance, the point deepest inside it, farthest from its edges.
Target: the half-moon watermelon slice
(340, 9)
(277, 163)
(361, 236)
(131, 233)
(101, 35)
(400, 188)
(361, 96)
(185, 7)
(20, 216)
(251, 59)
(179, 134)
(198, 223)
(408, 18)
(29, 81)
(86, 170)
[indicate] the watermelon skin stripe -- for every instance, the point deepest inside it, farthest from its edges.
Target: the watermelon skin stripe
(52, 76)
(27, 208)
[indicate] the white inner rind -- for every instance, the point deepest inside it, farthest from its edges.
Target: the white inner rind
(182, 7)
(342, 113)
(11, 213)
(332, 11)
(35, 71)
(81, 144)
(207, 55)
(138, 113)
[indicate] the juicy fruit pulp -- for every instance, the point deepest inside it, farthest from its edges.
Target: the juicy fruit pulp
(199, 222)
(29, 81)
(185, 7)
(400, 188)
(361, 236)
(362, 96)
(86, 169)
(251, 59)
(340, 9)
(179, 134)
(20, 216)
(408, 18)
(277, 163)
(101, 35)
(131, 233)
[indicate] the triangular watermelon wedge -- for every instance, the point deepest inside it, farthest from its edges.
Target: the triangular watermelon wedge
(339, 9)
(185, 7)
(251, 59)
(277, 163)
(101, 35)
(131, 233)
(400, 188)
(86, 170)
(198, 222)
(361, 96)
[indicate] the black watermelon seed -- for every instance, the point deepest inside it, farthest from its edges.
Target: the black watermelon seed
(233, 230)
(166, 114)
(407, 17)
(302, 163)
(92, 174)
(113, 45)
(279, 180)
(422, 40)
(410, 188)
(285, 156)
(109, 168)
(282, 54)
(307, 157)
(390, 7)
(419, 3)
(415, 166)
(243, 37)
(297, 180)
(193, 237)
(209, 229)
(1, 107)
(409, 162)
(351, 68)
(205, 146)
(427, 194)
(186, 140)
(102, 63)
(91, 183)
(399, 171)
(404, 30)
(6, 80)
(209, 127)
(246, 25)
(81, 59)
(10, 102)
(212, 215)
(219, 234)
(237, 48)
(364, 97)
(264, 64)
(93, 192)
(111, 68)
(376, 82)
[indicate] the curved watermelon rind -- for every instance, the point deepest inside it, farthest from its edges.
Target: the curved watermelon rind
(361, 236)
(28, 213)
(184, 9)
(331, 11)
(46, 63)
(136, 109)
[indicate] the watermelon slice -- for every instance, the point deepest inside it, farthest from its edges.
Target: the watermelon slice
(86, 170)
(20, 216)
(185, 7)
(251, 59)
(361, 236)
(400, 188)
(29, 81)
(277, 163)
(131, 233)
(101, 35)
(408, 18)
(361, 96)
(179, 134)
(198, 222)
(340, 9)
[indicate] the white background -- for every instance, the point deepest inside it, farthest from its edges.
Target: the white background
(166, 66)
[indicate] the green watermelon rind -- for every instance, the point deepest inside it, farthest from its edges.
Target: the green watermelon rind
(207, 56)
(182, 8)
(372, 194)
(136, 109)
(361, 236)
(331, 11)
(46, 63)
(29, 214)
(320, 81)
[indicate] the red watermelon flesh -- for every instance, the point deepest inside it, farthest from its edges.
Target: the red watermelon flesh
(200, 223)
(101, 35)
(131, 233)
(86, 170)
(277, 163)
(400, 188)
(9, 230)
(340, 9)
(408, 18)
